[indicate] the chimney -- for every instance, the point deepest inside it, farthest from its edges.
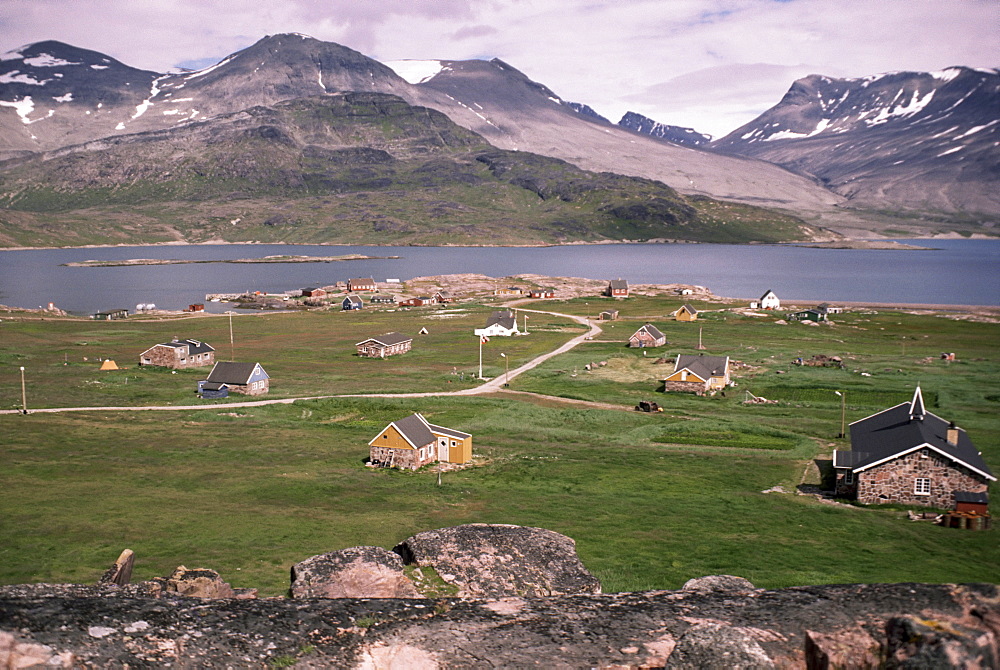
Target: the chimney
(952, 434)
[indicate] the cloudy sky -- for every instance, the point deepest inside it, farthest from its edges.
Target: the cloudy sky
(708, 64)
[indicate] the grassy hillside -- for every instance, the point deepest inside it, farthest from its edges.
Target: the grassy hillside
(357, 168)
(652, 500)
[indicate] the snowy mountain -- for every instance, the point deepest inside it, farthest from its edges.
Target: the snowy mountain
(662, 131)
(924, 141)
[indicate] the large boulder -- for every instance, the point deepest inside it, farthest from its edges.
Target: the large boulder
(358, 572)
(498, 560)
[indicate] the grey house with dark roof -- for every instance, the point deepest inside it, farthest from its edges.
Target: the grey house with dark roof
(178, 354)
(245, 378)
(908, 455)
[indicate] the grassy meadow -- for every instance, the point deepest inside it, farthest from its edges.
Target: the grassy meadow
(651, 499)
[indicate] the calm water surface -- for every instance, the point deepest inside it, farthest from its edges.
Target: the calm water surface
(958, 272)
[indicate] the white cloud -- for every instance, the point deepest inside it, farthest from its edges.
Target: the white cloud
(678, 62)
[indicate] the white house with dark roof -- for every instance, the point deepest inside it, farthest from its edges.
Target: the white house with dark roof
(178, 354)
(697, 373)
(412, 442)
(769, 301)
(501, 323)
(908, 455)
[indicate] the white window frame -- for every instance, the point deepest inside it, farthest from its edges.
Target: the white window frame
(922, 486)
(849, 477)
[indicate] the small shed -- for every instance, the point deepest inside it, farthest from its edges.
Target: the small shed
(608, 315)
(972, 503)
(196, 307)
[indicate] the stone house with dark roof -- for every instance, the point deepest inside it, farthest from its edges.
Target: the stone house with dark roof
(178, 354)
(698, 373)
(389, 344)
(910, 456)
(647, 336)
(413, 442)
(244, 378)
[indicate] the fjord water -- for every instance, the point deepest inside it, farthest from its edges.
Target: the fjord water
(956, 272)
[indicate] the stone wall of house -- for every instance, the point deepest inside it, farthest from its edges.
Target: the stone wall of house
(894, 482)
(405, 459)
(175, 357)
(684, 387)
(262, 388)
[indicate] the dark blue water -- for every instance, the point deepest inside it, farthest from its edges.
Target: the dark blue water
(958, 272)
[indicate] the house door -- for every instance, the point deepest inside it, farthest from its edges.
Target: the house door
(443, 449)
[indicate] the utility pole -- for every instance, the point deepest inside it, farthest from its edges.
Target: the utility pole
(506, 374)
(482, 338)
(232, 347)
(843, 412)
(24, 397)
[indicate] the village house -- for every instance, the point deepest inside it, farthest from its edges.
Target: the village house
(698, 373)
(509, 290)
(815, 314)
(412, 442)
(361, 285)
(767, 301)
(419, 301)
(351, 302)
(830, 309)
(196, 307)
(617, 288)
(910, 456)
(608, 315)
(443, 297)
(686, 313)
(501, 323)
(542, 293)
(647, 336)
(389, 344)
(316, 293)
(178, 354)
(111, 315)
(382, 299)
(227, 377)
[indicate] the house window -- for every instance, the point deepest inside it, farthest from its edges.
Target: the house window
(849, 477)
(922, 486)
(925, 452)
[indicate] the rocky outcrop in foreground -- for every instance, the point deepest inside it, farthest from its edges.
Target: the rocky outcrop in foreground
(878, 625)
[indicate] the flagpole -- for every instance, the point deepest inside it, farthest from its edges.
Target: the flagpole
(480, 356)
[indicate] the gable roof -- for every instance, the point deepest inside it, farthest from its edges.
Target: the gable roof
(767, 293)
(652, 330)
(450, 432)
(194, 346)
(503, 318)
(702, 366)
(387, 340)
(687, 308)
(414, 429)
(618, 284)
(226, 372)
(902, 429)
(353, 299)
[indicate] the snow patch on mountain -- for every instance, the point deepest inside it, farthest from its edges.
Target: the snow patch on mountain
(16, 77)
(23, 107)
(47, 60)
(211, 68)
(416, 71)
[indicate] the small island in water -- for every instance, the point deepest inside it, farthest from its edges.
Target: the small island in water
(265, 259)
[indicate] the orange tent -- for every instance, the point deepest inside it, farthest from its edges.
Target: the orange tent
(109, 365)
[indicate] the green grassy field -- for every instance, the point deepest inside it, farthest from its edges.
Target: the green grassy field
(651, 499)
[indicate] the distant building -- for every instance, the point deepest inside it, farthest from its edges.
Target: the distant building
(382, 299)
(111, 315)
(910, 456)
(244, 378)
(500, 324)
(351, 302)
(178, 354)
(617, 288)
(412, 442)
(647, 336)
(361, 284)
(686, 313)
(542, 293)
(608, 315)
(509, 290)
(769, 301)
(697, 373)
(313, 293)
(389, 344)
(815, 314)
